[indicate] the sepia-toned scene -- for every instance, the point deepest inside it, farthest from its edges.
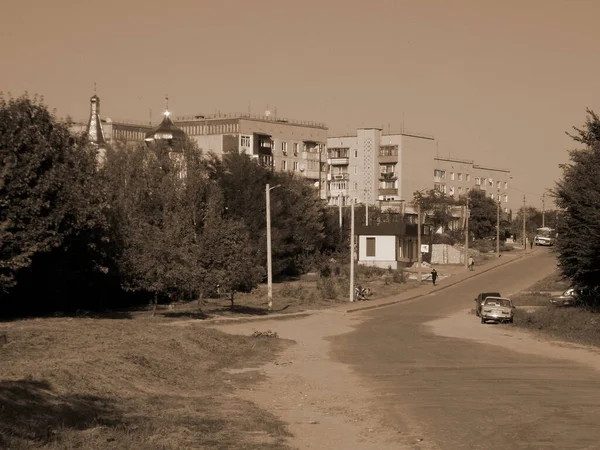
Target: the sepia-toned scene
(299, 225)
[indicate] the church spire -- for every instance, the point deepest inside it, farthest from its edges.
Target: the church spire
(94, 129)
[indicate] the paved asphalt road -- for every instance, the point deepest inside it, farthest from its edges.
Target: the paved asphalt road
(460, 394)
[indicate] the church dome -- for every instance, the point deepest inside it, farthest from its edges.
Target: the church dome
(166, 131)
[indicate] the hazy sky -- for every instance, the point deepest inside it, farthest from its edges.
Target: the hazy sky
(495, 81)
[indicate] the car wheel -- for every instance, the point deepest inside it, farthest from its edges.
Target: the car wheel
(510, 320)
(482, 320)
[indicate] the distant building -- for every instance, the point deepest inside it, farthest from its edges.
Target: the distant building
(455, 177)
(373, 167)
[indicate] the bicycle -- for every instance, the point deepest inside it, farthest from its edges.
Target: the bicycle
(362, 293)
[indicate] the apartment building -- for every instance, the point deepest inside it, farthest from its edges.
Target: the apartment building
(286, 145)
(374, 167)
(455, 177)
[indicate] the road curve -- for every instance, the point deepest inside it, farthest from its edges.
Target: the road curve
(463, 394)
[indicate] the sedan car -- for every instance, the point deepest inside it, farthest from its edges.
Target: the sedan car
(481, 297)
(573, 297)
(497, 309)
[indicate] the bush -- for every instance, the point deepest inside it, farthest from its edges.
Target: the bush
(399, 276)
(328, 288)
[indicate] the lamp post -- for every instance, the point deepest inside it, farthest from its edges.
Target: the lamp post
(352, 252)
(268, 190)
(419, 254)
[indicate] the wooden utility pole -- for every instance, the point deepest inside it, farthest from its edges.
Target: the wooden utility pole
(340, 205)
(352, 253)
(269, 261)
(543, 209)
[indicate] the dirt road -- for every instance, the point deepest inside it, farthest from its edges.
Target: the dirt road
(426, 374)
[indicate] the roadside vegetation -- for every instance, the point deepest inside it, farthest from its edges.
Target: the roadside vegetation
(572, 324)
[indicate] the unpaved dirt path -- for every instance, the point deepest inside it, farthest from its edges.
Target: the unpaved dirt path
(325, 403)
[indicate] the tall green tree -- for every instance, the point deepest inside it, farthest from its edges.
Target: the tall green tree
(483, 214)
(49, 201)
(578, 194)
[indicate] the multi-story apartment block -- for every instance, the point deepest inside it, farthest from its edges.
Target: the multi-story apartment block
(389, 168)
(373, 167)
(286, 145)
(455, 177)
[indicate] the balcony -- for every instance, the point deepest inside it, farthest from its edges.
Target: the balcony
(337, 177)
(388, 191)
(387, 159)
(342, 161)
(388, 176)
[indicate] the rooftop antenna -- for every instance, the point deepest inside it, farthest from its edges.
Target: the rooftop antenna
(94, 88)
(150, 116)
(249, 106)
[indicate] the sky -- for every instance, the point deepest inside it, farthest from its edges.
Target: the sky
(498, 82)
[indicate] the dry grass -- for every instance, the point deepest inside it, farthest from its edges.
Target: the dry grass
(573, 324)
(138, 383)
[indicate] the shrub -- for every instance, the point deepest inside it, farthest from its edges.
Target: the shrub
(327, 288)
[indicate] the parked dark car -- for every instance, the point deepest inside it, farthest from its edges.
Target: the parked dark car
(574, 297)
(481, 298)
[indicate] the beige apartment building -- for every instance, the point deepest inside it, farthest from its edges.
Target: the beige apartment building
(455, 177)
(287, 145)
(386, 169)
(372, 167)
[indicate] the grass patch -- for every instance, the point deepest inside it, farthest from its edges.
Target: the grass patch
(552, 282)
(140, 383)
(530, 299)
(577, 325)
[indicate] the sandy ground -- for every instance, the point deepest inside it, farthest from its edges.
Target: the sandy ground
(324, 402)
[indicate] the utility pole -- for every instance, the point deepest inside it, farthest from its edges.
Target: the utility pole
(340, 205)
(467, 234)
(352, 253)
(366, 213)
(498, 225)
(543, 209)
(419, 255)
(524, 231)
(269, 262)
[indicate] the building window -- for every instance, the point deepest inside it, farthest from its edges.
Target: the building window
(296, 166)
(296, 149)
(452, 176)
(505, 198)
(505, 185)
(459, 190)
(440, 188)
(284, 165)
(356, 153)
(356, 186)
(440, 174)
(492, 195)
(451, 191)
(245, 141)
(498, 184)
(477, 181)
(491, 183)
(460, 177)
(370, 246)
(284, 148)
(467, 177)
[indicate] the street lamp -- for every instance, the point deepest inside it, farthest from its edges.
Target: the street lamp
(268, 190)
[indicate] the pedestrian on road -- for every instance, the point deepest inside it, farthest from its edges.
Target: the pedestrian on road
(530, 243)
(433, 276)
(471, 263)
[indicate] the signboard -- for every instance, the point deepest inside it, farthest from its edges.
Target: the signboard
(424, 248)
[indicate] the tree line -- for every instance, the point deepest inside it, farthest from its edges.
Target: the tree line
(151, 223)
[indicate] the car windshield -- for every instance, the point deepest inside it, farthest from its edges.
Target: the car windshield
(497, 302)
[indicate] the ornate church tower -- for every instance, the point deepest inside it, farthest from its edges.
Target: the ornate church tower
(95, 132)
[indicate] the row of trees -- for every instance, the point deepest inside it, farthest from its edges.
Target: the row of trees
(151, 222)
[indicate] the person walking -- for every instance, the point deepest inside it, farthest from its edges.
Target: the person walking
(433, 276)
(471, 263)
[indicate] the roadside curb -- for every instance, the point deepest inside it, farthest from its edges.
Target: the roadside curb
(384, 303)
(345, 310)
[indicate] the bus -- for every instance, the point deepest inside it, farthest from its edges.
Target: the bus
(545, 236)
